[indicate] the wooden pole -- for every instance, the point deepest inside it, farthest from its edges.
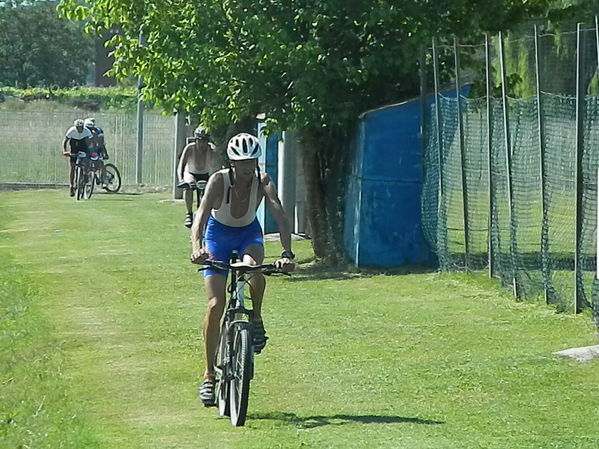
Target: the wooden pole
(456, 50)
(490, 176)
(438, 116)
(423, 87)
(545, 223)
(580, 105)
(508, 157)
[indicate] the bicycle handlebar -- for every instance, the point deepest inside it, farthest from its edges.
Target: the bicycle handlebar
(200, 185)
(241, 267)
(80, 154)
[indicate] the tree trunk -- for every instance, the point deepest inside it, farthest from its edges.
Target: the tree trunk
(324, 174)
(316, 204)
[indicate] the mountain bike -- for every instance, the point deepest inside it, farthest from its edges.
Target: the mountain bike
(80, 175)
(112, 178)
(235, 354)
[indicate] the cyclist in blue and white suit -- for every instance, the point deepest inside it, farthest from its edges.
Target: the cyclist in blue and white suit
(78, 138)
(97, 145)
(227, 212)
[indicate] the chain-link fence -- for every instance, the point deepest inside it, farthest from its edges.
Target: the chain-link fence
(511, 168)
(31, 146)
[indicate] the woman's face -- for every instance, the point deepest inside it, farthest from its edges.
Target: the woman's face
(244, 169)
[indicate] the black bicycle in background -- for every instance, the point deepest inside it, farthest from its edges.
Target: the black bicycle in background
(81, 175)
(112, 177)
(88, 173)
(235, 355)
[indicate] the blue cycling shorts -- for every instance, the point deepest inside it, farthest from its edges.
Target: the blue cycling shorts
(221, 240)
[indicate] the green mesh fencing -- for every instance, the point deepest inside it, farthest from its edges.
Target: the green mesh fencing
(528, 240)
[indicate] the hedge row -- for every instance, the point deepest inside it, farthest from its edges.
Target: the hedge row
(87, 98)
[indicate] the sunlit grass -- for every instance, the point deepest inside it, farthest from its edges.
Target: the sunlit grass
(101, 315)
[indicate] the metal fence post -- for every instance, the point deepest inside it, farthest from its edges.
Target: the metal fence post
(456, 50)
(580, 104)
(178, 145)
(508, 156)
(140, 125)
(140, 141)
(490, 177)
(597, 38)
(541, 127)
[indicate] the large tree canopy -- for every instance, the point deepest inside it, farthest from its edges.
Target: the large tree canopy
(38, 49)
(308, 65)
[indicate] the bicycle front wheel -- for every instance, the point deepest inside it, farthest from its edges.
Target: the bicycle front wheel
(79, 182)
(113, 178)
(242, 373)
(88, 189)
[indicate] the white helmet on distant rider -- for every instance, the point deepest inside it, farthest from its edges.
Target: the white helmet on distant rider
(90, 122)
(201, 132)
(243, 146)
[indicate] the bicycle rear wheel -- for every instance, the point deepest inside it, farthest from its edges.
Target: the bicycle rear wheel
(242, 373)
(113, 178)
(223, 385)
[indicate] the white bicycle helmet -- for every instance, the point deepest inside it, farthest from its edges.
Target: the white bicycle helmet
(78, 123)
(243, 146)
(90, 123)
(200, 131)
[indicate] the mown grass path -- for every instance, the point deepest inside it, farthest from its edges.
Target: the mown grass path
(101, 346)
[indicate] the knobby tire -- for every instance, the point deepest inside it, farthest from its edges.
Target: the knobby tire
(79, 182)
(113, 178)
(88, 189)
(222, 387)
(239, 391)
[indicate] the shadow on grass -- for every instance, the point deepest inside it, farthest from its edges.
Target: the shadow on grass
(309, 422)
(312, 269)
(118, 197)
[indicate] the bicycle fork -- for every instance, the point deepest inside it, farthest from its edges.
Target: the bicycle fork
(236, 317)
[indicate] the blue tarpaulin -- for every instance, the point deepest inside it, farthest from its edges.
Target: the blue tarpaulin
(383, 202)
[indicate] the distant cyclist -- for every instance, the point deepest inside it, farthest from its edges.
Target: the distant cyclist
(97, 145)
(198, 159)
(228, 215)
(78, 138)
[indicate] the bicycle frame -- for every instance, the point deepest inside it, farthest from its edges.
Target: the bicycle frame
(235, 356)
(235, 312)
(81, 172)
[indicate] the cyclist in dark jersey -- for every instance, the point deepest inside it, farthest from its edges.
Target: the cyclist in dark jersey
(97, 145)
(78, 138)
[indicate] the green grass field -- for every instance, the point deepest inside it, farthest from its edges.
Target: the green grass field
(100, 346)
